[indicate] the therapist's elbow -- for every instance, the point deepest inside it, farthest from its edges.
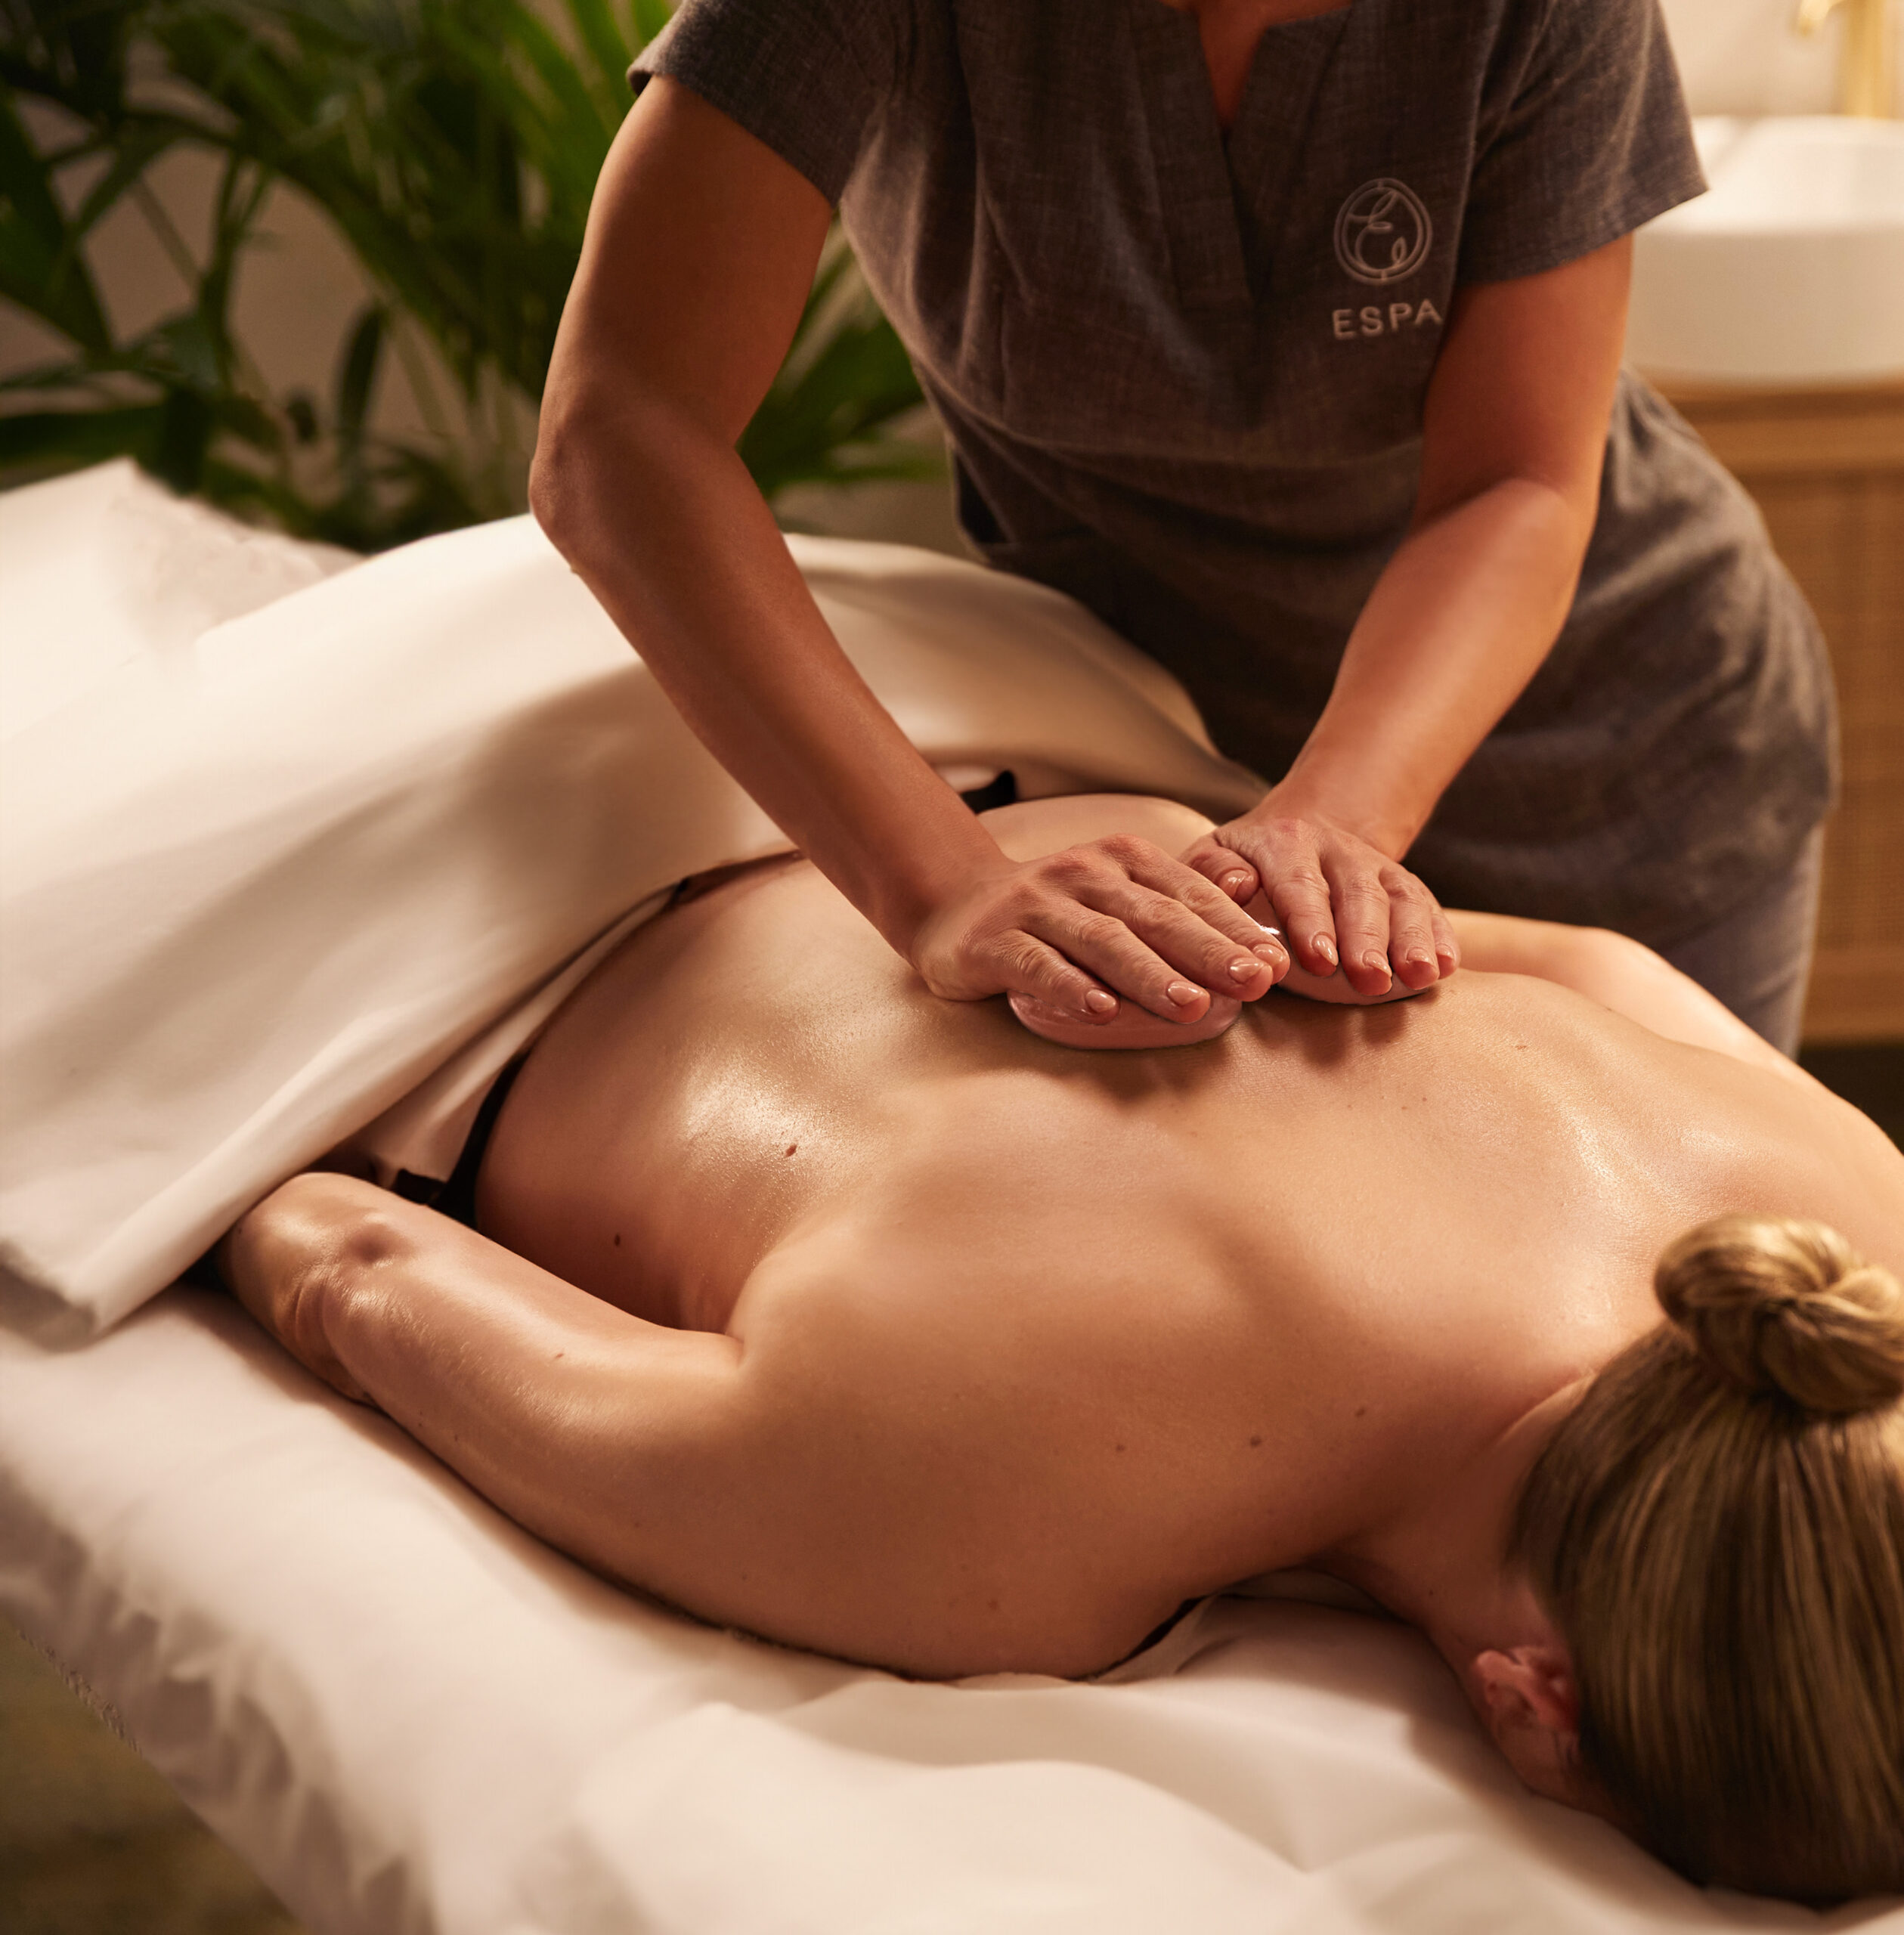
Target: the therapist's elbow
(559, 472)
(589, 454)
(606, 456)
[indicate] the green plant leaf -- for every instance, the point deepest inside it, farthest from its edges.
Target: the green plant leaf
(40, 267)
(74, 47)
(647, 17)
(187, 350)
(42, 443)
(454, 145)
(609, 51)
(357, 375)
(140, 147)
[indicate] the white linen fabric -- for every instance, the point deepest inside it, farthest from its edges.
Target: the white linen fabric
(257, 888)
(104, 569)
(409, 1716)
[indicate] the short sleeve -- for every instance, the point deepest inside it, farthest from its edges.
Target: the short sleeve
(807, 77)
(1583, 137)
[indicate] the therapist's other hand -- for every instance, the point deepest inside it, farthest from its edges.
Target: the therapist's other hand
(1342, 902)
(1074, 931)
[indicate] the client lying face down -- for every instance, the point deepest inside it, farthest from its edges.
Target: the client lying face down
(875, 1324)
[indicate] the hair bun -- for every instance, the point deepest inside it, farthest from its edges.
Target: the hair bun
(1776, 1303)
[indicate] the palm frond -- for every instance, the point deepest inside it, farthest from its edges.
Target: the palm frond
(454, 145)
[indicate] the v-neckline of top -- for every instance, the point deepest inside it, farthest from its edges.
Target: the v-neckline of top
(1203, 168)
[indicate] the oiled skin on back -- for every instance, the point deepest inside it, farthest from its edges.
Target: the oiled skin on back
(1042, 1342)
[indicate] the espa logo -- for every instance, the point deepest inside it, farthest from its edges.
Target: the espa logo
(1383, 231)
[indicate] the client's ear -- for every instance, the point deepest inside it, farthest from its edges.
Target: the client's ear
(1532, 1707)
(1531, 1684)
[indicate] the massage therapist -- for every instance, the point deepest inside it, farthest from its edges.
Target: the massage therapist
(1288, 341)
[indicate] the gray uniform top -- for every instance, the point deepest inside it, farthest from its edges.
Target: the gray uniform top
(1183, 375)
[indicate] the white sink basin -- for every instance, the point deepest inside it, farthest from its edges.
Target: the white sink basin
(1791, 269)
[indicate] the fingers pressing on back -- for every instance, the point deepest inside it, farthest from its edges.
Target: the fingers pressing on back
(1226, 868)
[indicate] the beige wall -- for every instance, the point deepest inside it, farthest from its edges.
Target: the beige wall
(1742, 57)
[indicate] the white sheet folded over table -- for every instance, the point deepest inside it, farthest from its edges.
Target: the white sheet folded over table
(410, 1715)
(255, 889)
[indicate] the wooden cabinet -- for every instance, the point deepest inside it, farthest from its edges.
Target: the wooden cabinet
(1827, 469)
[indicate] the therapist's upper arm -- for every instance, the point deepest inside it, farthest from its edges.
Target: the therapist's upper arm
(1523, 385)
(699, 254)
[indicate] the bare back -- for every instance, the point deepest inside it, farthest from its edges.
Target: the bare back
(1079, 1335)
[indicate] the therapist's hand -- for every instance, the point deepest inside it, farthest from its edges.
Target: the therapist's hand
(1340, 901)
(1072, 931)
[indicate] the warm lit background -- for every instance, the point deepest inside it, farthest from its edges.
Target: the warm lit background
(298, 292)
(308, 391)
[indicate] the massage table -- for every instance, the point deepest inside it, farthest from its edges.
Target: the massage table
(298, 850)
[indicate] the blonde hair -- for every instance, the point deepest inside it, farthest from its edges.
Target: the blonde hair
(1717, 1530)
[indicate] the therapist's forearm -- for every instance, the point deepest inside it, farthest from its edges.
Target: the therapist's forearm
(696, 268)
(661, 519)
(1457, 624)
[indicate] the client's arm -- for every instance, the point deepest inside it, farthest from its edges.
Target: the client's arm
(813, 1479)
(613, 1438)
(790, 1483)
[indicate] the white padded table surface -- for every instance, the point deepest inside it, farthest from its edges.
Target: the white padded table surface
(408, 1715)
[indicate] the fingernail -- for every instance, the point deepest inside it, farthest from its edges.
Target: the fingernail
(1418, 957)
(1271, 954)
(1376, 964)
(1231, 882)
(1097, 1002)
(1183, 993)
(1276, 932)
(1246, 970)
(1326, 949)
